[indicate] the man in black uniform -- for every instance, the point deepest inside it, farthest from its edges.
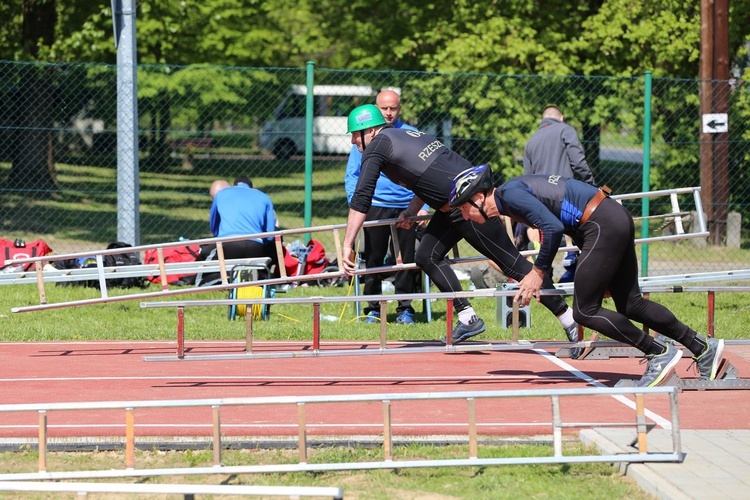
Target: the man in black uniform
(604, 231)
(420, 162)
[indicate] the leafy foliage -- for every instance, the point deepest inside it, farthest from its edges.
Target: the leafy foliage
(491, 114)
(612, 37)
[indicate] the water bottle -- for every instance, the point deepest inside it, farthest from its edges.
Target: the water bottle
(329, 317)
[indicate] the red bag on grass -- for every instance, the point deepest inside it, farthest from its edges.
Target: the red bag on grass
(188, 253)
(308, 260)
(19, 249)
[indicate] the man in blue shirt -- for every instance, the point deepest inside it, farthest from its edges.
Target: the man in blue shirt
(388, 202)
(242, 209)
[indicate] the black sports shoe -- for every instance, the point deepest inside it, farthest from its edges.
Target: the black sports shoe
(572, 333)
(464, 332)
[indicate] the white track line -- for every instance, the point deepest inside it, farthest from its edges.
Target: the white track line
(661, 421)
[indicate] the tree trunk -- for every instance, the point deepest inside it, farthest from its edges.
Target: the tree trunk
(33, 162)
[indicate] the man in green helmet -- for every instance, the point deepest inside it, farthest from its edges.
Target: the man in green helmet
(423, 164)
(388, 201)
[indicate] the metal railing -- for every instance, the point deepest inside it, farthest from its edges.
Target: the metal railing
(299, 404)
(673, 214)
(658, 284)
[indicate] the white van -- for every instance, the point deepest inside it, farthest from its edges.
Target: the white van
(284, 135)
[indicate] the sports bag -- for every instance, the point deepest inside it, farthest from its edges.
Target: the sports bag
(188, 253)
(310, 259)
(122, 260)
(19, 249)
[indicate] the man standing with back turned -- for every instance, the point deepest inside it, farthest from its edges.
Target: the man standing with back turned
(388, 201)
(554, 149)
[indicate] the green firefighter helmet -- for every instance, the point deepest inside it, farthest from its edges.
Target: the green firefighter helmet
(364, 117)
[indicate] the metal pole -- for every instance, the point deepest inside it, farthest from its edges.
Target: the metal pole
(449, 322)
(309, 115)
(42, 445)
(181, 332)
(472, 414)
(129, 438)
(556, 426)
(216, 426)
(128, 218)
(640, 418)
(302, 432)
(646, 182)
(387, 431)
(316, 326)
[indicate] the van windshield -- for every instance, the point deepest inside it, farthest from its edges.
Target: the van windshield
(292, 107)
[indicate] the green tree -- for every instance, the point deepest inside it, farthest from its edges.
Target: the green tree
(626, 38)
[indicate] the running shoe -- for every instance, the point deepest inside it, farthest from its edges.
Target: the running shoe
(464, 332)
(572, 333)
(660, 366)
(405, 318)
(708, 362)
(372, 317)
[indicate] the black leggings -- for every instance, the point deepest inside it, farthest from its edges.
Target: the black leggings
(608, 263)
(377, 243)
(490, 239)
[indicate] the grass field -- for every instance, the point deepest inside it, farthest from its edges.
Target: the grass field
(591, 481)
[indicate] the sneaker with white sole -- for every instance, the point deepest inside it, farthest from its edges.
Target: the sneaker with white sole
(463, 332)
(660, 366)
(708, 362)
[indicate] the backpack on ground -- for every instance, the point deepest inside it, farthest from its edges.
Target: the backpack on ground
(122, 260)
(188, 253)
(79, 263)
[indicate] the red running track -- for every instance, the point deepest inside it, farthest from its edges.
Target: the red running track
(115, 371)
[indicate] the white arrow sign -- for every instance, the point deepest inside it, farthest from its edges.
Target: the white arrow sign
(715, 123)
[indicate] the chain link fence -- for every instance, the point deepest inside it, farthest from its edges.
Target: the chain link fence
(58, 145)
